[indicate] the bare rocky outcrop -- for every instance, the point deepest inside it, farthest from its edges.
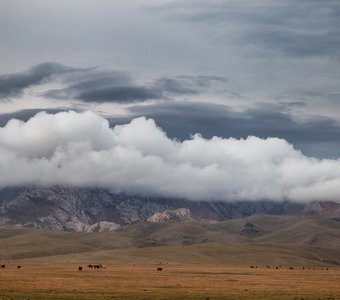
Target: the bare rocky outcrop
(250, 230)
(103, 226)
(326, 209)
(174, 214)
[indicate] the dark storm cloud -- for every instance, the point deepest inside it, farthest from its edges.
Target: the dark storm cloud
(118, 94)
(297, 28)
(13, 84)
(121, 88)
(318, 136)
(121, 94)
(104, 87)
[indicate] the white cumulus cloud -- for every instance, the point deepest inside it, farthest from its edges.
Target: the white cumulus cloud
(80, 149)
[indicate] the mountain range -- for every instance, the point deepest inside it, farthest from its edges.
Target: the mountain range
(94, 209)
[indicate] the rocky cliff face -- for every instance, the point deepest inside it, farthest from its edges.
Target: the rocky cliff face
(85, 209)
(73, 209)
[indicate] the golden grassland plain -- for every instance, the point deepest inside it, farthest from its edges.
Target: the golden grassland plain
(216, 265)
(63, 280)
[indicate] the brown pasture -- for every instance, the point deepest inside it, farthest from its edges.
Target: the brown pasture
(64, 281)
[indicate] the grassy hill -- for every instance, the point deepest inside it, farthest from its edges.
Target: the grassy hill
(317, 232)
(257, 240)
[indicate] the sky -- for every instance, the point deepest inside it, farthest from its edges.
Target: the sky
(220, 73)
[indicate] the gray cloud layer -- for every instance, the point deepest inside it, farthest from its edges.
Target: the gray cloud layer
(271, 47)
(296, 28)
(99, 87)
(80, 149)
(316, 136)
(270, 51)
(119, 87)
(183, 85)
(14, 84)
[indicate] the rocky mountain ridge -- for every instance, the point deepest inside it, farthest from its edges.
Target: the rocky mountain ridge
(94, 209)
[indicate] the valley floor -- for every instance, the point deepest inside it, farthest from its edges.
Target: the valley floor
(63, 280)
(199, 261)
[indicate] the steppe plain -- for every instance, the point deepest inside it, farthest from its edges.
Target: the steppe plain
(198, 261)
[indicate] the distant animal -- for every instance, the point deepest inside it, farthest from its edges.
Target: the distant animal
(303, 268)
(276, 268)
(268, 267)
(90, 266)
(80, 268)
(291, 268)
(18, 267)
(97, 266)
(159, 269)
(252, 267)
(3, 266)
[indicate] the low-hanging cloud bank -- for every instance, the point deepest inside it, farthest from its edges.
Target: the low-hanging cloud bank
(80, 149)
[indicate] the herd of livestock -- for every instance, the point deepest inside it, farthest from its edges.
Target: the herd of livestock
(100, 266)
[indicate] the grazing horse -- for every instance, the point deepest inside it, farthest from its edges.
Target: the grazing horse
(291, 268)
(159, 269)
(18, 267)
(90, 266)
(80, 268)
(3, 266)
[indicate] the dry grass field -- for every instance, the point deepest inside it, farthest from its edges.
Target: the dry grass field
(64, 281)
(216, 265)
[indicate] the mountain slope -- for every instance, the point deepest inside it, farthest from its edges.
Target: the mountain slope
(282, 240)
(85, 209)
(321, 233)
